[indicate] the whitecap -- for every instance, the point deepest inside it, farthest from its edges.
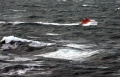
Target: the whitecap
(39, 44)
(8, 39)
(52, 34)
(85, 5)
(79, 46)
(17, 10)
(69, 54)
(2, 22)
(9, 46)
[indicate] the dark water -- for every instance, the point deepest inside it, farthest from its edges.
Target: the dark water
(79, 51)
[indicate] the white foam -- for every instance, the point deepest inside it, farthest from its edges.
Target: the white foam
(86, 5)
(19, 59)
(16, 10)
(2, 22)
(4, 57)
(45, 73)
(17, 22)
(79, 46)
(21, 72)
(118, 8)
(69, 54)
(57, 24)
(52, 34)
(39, 44)
(18, 72)
(8, 39)
(9, 46)
(32, 43)
(27, 71)
(44, 23)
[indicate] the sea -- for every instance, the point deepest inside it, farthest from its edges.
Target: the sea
(53, 44)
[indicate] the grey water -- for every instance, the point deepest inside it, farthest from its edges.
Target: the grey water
(92, 51)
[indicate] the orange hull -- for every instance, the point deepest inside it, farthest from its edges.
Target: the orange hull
(85, 21)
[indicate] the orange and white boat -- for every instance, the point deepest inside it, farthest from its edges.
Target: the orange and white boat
(88, 22)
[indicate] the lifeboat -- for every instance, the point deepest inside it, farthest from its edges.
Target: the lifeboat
(88, 22)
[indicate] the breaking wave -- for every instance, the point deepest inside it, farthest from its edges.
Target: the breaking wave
(11, 42)
(77, 52)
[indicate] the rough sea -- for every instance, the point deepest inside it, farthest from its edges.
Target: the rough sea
(55, 45)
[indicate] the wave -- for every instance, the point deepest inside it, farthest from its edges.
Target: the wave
(78, 46)
(23, 69)
(26, 72)
(12, 42)
(52, 34)
(85, 5)
(20, 59)
(70, 53)
(17, 10)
